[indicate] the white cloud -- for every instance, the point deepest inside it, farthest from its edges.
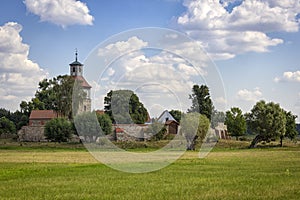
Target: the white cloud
(114, 50)
(251, 96)
(19, 76)
(221, 100)
(245, 29)
(289, 77)
(61, 12)
(153, 76)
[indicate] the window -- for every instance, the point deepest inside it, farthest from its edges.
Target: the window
(74, 69)
(84, 108)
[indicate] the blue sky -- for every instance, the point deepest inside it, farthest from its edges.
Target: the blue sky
(254, 44)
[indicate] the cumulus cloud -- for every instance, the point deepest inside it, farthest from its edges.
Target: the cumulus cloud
(19, 75)
(231, 27)
(135, 65)
(114, 50)
(289, 77)
(251, 96)
(61, 12)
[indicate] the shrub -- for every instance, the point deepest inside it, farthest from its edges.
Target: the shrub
(105, 123)
(58, 130)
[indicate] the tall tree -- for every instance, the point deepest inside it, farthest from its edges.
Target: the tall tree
(236, 122)
(56, 94)
(123, 107)
(201, 101)
(267, 120)
(194, 127)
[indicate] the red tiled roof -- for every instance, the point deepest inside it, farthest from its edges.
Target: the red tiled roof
(119, 130)
(43, 114)
(84, 83)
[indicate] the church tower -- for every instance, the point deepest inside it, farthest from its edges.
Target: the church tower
(76, 71)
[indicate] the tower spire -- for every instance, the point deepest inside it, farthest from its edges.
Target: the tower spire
(76, 54)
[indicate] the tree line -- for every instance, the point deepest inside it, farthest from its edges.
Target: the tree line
(267, 120)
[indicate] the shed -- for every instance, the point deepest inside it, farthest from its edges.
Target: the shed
(172, 126)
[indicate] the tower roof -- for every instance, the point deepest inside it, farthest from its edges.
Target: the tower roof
(83, 82)
(75, 63)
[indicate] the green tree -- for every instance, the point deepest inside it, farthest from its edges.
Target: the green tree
(201, 101)
(291, 131)
(56, 94)
(268, 121)
(236, 122)
(176, 114)
(105, 123)
(58, 130)
(7, 126)
(157, 130)
(123, 107)
(194, 127)
(20, 119)
(87, 126)
(4, 113)
(217, 117)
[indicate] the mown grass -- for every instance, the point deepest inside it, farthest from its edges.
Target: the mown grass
(234, 173)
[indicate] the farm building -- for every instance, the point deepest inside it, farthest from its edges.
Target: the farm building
(221, 131)
(34, 132)
(169, 121)
(172, 126)
(41, 117)
(165, 116)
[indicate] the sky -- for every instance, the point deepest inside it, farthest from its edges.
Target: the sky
(244, 50)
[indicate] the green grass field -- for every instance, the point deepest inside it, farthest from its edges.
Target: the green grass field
(227, 173)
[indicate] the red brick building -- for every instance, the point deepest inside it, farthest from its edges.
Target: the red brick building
(41, 117)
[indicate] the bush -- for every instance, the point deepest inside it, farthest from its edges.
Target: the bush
(105, 123)
(58, 130)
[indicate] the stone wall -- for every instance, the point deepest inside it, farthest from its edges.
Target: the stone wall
(32, 134)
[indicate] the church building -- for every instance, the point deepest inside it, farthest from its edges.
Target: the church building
(76, 71)
(35, 131)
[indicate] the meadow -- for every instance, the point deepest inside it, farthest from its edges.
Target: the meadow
(228, 172)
